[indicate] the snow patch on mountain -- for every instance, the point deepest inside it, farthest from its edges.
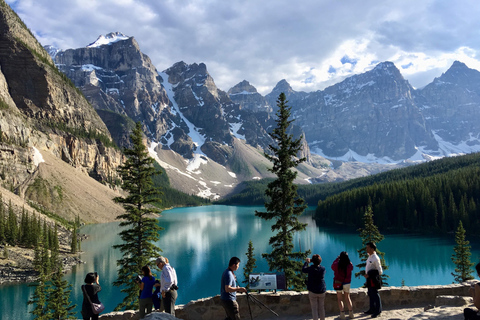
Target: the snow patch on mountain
(197, 138)
(234, 127)
(464, 147)
(154, 155)
(90, 68)
(37, 157)
(195, 163)
(108, 39)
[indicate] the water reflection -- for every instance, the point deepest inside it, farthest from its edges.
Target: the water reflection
(200, 241)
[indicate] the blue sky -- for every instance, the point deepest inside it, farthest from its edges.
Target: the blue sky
(310, 43)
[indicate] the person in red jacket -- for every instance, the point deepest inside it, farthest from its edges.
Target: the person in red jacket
(342, 269)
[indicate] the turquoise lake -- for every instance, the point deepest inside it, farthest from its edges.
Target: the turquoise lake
(199, 242)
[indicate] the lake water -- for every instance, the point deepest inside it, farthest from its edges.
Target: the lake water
(200, 241)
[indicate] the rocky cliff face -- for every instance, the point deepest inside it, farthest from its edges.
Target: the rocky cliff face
(42, 111)
(451, 107)
(115, 75)
(247, 96)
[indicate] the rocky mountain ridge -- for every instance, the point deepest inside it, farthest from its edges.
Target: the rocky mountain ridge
(379, 117)
(181, 110)
(376, 118)
(42, 114)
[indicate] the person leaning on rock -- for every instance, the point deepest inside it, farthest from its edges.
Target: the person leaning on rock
(229, 289)
(469, 313)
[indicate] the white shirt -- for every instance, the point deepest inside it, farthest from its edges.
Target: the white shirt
(168, 278)
(373, 263)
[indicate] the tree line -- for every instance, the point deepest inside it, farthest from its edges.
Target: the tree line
(253, 192)
(435, 203)
(26, 232)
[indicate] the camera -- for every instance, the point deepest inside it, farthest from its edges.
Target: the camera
(138, 279)
(96, 274)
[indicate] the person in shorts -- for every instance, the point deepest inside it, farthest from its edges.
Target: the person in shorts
(342, 270)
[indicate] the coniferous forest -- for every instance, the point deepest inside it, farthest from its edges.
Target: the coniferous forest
(431, 196)
(434, 196)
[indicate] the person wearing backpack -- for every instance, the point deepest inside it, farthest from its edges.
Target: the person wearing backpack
(342, 270)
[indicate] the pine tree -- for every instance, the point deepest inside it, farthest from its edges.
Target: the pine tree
(39, 299)
(73, 245)
(250, 265)
(370, 233)
(2, 221)
(12, 227)
(284, 205)
(45, 259)
(58, 304)
(140, 230)
(54, 252)
(461, 257)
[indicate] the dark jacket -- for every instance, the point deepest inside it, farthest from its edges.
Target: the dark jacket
(316, 278)
(374, 279)
(92, 290)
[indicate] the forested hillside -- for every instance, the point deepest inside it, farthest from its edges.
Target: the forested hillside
(253, 192)
(433, 196)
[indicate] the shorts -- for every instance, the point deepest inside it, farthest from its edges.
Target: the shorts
(345, 289)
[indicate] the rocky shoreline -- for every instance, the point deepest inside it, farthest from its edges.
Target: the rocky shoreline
(18, 267)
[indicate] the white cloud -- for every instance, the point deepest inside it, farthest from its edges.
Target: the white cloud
(266, 41)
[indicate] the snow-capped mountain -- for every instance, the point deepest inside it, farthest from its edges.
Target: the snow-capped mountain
(109, 38)
(378, 117)
(203, 133)
(210, 140)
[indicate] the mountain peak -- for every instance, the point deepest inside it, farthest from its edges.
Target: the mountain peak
(107, 39)
(282, 86)
(386, 66)
(458, 64)
(242, 87)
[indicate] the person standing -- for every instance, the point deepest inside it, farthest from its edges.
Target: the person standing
(168, 285)
(229, 289)
(146, 288)
(468, 313)
(90, 288)
(373, 271)
(342, 270)
(316, 286)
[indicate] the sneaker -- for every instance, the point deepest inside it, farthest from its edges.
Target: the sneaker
(368, 312)
(350, 314)
(342, 315)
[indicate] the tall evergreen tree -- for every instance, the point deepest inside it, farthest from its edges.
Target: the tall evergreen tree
(2, 221)
(283, 204)
(370, 233)
(58, 304)
(12, 227)
(73, 244)
(140, 230)
(461, 256)
(39, 299)
(250, 265)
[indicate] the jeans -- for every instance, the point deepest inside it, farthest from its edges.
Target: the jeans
(375, 302)
(317, 302)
